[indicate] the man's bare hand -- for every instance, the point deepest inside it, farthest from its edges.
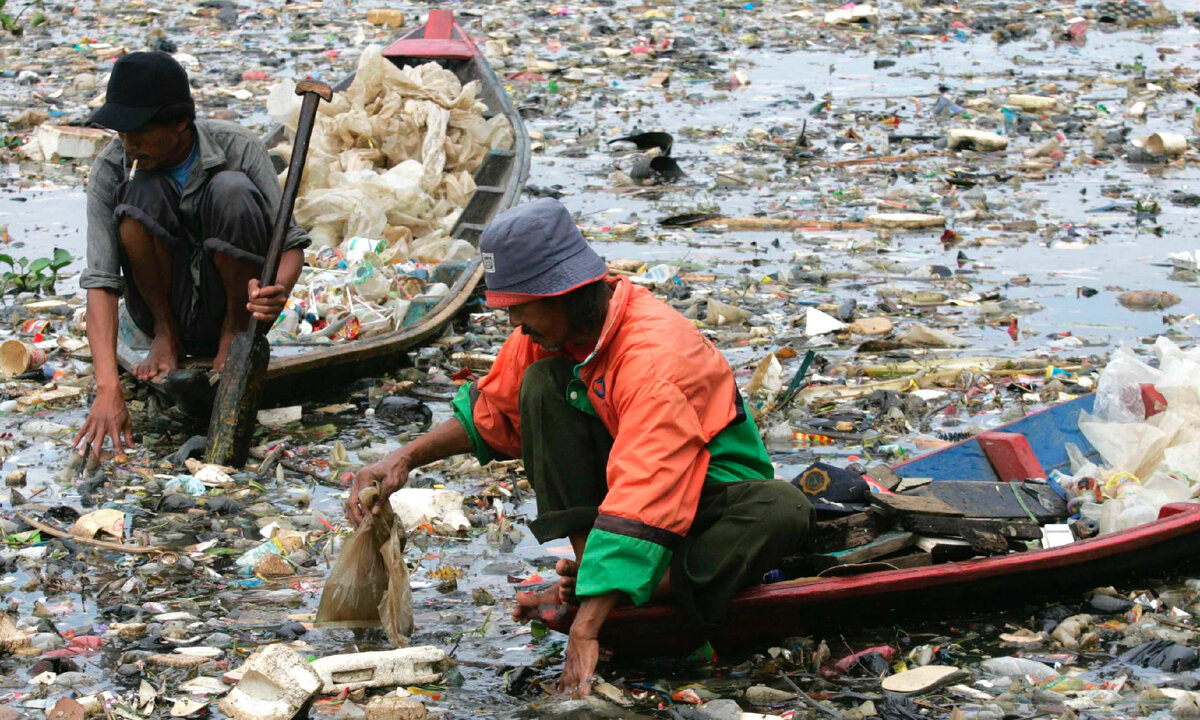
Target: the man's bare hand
(266, 303)
(108, 418)
(583, 652)
(390, 474)
(583, 644)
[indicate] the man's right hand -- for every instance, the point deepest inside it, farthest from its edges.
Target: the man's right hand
(108, 418)
(390, 474)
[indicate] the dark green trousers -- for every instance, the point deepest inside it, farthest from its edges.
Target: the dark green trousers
(740, 531)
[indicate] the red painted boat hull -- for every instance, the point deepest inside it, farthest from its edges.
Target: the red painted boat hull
(767, 614)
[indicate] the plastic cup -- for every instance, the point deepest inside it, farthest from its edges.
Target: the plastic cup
(17, 357)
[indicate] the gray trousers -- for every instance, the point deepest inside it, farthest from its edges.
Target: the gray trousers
(233, 218)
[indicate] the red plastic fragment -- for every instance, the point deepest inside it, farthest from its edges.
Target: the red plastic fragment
(1153, 400)
(1011, 456)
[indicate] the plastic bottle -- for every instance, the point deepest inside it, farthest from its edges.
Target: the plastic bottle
(399, 312)
(779, 438)
(1134, 512)
(1109, 516)
(1091, 511)
(370, 282)
(1018, 668)
(289, 319)
(356, 248)
(251, 557)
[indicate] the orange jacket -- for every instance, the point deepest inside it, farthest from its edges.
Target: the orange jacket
(664, 392)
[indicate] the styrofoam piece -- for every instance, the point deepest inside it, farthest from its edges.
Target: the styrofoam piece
(819, 323)
(280, 416)
(276, 683)
(1185, 260)
(1166, 143)
(440, 508)
(1032, 102)
(852, 14)
(67, 141)
(385, 668)
(922, 679)
(905, 220)
(979, 140)
(394, 708)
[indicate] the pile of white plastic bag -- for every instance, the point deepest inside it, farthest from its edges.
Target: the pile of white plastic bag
(1147, 462)
(390, 167)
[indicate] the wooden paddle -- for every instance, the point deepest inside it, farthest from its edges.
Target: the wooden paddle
(236, 405)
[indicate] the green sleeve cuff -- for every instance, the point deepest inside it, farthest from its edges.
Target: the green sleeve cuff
(622, 563)
(461, 404)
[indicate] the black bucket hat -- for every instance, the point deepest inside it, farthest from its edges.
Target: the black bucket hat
(141, 84)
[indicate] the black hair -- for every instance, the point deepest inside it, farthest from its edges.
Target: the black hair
(173, 113)
(585, 306)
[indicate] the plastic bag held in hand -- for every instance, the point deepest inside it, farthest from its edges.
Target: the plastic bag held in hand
(368, 585)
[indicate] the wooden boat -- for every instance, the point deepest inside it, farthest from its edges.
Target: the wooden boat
(499, 181)
(769, 613)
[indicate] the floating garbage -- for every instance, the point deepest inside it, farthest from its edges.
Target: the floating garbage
(276, 684)
(1011, 302)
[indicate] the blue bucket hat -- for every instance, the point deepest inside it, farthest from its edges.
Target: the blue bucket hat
(535, 251)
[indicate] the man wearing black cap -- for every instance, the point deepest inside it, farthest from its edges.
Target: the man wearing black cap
(631, 430)
(179, 217)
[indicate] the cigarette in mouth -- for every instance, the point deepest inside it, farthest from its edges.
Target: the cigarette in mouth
(133, 169)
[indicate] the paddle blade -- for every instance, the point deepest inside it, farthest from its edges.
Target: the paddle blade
(236, 406)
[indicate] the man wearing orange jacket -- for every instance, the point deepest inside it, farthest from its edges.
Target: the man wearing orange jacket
(632, 432)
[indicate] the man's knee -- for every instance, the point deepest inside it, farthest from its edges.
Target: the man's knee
(543, 380)
(791, 514)
(233, 218)
(141, 238)
(229, 186)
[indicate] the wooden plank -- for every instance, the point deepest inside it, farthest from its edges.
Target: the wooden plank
(846, 532)
(920, 558)
(943, 549)
(978, 499)
(953, 526)
(885, 544)
(985, 542)
(917, 504)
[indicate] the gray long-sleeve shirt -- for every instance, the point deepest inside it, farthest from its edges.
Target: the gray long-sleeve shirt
(223, 146)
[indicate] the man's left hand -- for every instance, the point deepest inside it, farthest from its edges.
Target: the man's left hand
(583, 652)
(266, 303)
(583, 645)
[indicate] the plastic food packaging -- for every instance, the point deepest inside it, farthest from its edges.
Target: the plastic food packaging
(368, 585)
(441, 509)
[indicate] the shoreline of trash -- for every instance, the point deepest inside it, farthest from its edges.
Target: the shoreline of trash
(802, 131)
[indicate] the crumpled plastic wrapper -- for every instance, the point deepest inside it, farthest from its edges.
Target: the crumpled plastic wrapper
(394, 156)
(368, 586)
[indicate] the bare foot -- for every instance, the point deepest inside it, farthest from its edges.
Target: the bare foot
(227, 336)
(162, 358)
(561, 593)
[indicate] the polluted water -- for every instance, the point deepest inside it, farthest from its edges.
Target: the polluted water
(903, 224)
